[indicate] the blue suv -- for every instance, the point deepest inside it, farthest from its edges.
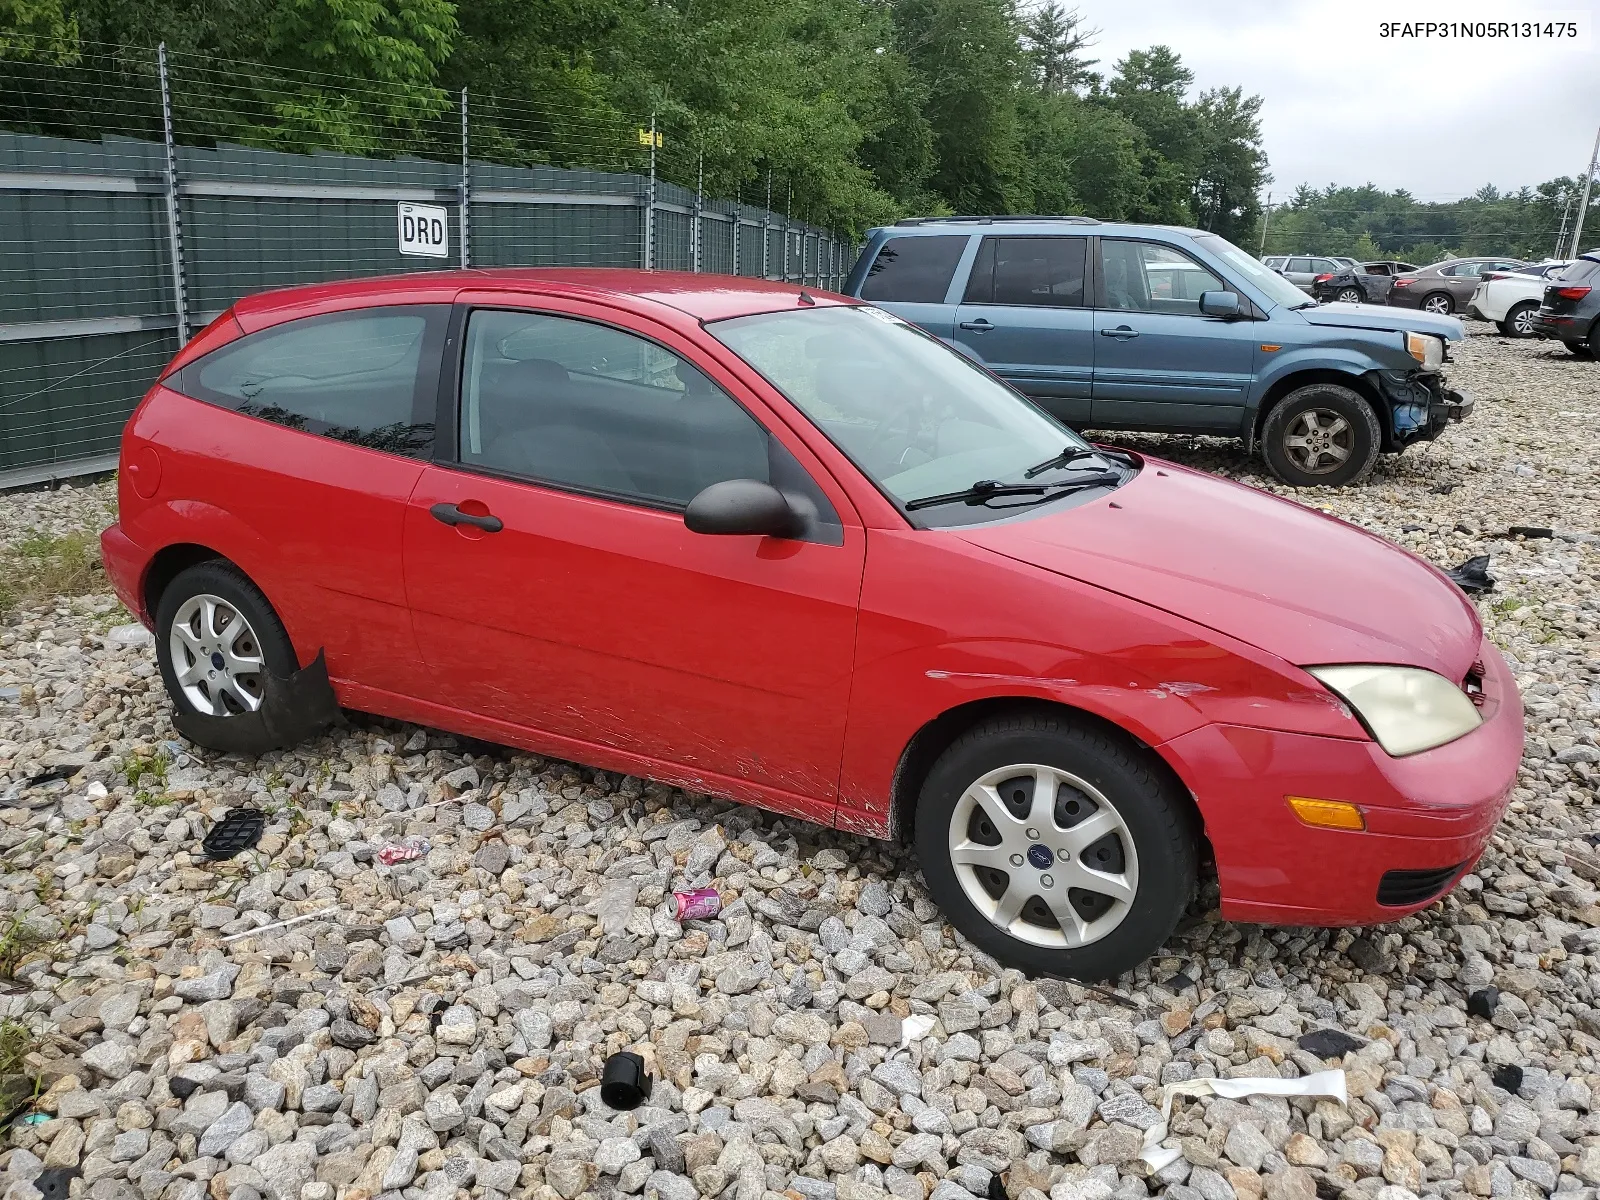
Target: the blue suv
(1110, 325)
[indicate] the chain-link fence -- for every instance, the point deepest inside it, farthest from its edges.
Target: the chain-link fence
(142, 193)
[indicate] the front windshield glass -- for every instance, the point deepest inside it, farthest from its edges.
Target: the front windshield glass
(917, 417)
(1277, 288)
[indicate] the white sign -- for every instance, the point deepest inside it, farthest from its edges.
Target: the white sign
(424, 230)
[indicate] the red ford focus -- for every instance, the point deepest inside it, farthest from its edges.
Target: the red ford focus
(786, 548)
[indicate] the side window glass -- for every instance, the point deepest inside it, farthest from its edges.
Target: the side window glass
(980, 284)
(366, 377)
(1149, 277)
(590, 407)
(1299, 264)
(1327, 265)
(914, 269)
(1042, 272)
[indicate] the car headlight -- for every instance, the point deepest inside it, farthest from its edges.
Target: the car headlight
(1406, 709)
(1426, 349)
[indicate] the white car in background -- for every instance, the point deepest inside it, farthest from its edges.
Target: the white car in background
(1510, 298)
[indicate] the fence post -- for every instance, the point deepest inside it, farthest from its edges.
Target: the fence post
(650, 206)
(466, 187)
(766, 231)
(180, 293)
(699, 203)
(788, 212)
(734, 225)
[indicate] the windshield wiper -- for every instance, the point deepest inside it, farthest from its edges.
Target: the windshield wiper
(1071, 455)
(985, 489)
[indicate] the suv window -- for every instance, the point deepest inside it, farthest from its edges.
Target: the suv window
(1275, 263)
(1150, 277)
(1579, 271)
(1299, 264)
(914, 270)
(1037, 271)
(366, 377)
(1464, 270)
(591, 407)
(1321, 265)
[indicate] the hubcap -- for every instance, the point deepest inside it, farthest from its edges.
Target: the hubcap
(216, 657)
(1350, 297)
(1319, 440)
(1044, 856)
(1523, 321)
(1436, 304)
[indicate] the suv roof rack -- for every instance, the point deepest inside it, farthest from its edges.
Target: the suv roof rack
(989, 220)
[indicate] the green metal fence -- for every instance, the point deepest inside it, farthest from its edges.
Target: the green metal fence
(114, 250)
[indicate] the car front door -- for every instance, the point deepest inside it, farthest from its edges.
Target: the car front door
(1025, 316)
(1159, 363)
(1298, 272)
(1461, 280)
(558, 594)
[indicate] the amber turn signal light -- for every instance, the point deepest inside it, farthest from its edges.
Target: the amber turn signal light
(1327, 814)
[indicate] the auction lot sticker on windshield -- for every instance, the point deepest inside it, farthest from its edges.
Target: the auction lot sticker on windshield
(881, 314)
(424, 230)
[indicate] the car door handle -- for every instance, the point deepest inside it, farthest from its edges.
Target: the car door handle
(451, 515)
(1121, 331)
(979, 326)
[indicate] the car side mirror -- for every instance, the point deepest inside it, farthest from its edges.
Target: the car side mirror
(742, 506)
(1219, 304)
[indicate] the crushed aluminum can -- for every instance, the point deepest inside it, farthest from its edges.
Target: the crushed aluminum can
(699, 905)
(402, 851)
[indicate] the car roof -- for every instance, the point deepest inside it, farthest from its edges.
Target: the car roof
(701, 297)
(913, 226)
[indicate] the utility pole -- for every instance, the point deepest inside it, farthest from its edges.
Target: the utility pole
(1266, 216)
(1583, 204)
(1561, 237)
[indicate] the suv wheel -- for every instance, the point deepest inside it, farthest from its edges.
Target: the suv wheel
(216, 636)
(1438, 302)
(1350, 295)
(1519, 321)
(1581, 349)
(1056, 848)
(1321, 435)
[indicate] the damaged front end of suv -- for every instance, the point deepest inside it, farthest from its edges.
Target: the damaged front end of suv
(1420, 402)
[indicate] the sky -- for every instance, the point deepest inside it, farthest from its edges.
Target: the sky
(1342, 104)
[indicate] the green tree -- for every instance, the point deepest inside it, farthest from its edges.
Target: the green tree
(1231, 167)
(1148, 89)
(1054, 39)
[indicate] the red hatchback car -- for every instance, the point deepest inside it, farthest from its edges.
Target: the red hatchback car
(783, 547)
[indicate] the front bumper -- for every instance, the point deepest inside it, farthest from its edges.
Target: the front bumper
(1428, 815)
(1420, 405)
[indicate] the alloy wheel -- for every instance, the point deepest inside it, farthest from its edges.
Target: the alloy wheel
(1522, 322)
(1043, 856)
(216, 657)
(1319, 440)
(1350, 296)
(1436, 304)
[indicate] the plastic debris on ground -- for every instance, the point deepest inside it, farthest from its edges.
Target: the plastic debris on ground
(310, 916)
(130, 635)
(624, 1082)
(1473, 575)
(699, 905)
(238, 831)
(1325, 1084)
(1329, 1043)
(1482, 1002)
(1530, 531)
(404, 850)
(55, 1182)
(914, 1028)
(1508, 1077)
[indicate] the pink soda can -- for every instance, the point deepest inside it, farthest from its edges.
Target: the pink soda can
(699, 905)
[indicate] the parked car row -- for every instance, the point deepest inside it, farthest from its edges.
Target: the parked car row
(786, 547)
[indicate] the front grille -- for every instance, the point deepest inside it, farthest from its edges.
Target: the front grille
(1399, 889)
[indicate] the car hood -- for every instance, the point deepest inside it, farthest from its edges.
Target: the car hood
(1284, 578)
(1367, 316)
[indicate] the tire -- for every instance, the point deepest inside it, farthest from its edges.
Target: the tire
(227, 595)
(1519, 321)
(1580, 349)
(1351, 296)
(1438, 302)
(1344, 437)
(1150, 847)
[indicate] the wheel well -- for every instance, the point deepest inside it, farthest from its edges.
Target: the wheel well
(1300, 379)
(166, 565)
(929, 742)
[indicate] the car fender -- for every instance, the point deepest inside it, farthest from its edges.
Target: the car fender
(182, 522)
(1279, 365)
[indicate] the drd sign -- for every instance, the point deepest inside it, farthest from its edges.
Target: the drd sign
(424, 230)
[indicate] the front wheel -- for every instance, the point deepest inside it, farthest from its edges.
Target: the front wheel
(1519, 321)
(1056, 848)
(1350, 295)
(1321, 435)
(1438, 303)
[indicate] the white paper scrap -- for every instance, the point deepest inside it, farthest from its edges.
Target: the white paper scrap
(914, 1027)
(1326, 1084)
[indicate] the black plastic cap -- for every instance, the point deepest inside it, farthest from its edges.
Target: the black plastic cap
(624, 1082)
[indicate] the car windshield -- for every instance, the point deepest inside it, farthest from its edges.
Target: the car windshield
(918, 418)
(1277, 288)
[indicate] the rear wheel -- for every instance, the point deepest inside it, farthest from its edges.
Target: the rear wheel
(1055, 847)
(1519, 321)
(216, 637)
(1321, 435)
(1581, 349)
(1350, 295)
(1438, 302)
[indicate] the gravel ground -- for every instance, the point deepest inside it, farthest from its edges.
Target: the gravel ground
(435, 1029)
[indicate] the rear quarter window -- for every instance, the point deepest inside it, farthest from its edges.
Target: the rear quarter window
(914, 270)
(367, 377)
